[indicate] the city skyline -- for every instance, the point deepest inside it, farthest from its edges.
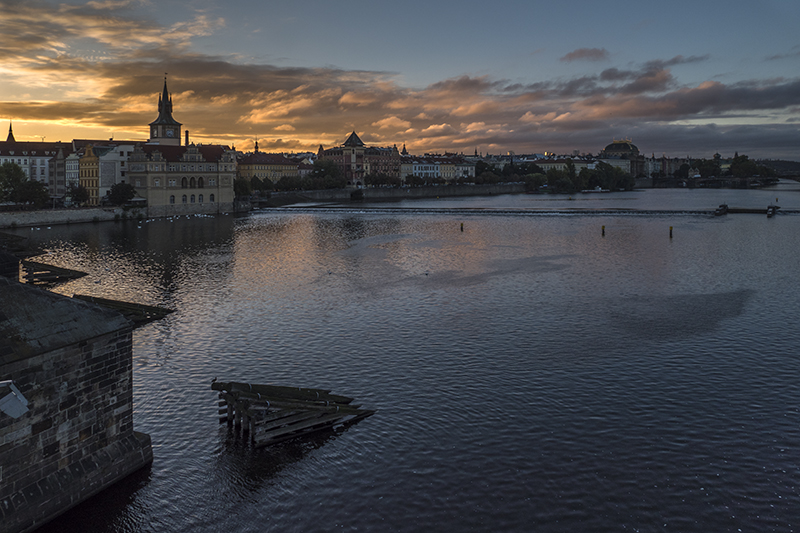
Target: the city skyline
(698, 79)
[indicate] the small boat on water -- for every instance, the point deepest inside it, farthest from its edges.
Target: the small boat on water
(721, 210)
(596, 189)
(771, 210)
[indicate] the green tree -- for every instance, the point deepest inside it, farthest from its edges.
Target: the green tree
(483, 166)
(559, 181)
(121, 193)
(510, 171)
(683, 171)
(529, 169)
(742, 167)
(241, 187)
(708, 168)
(534, 181)
(289, 183)
(17, 188)
(326, 167)
(414, 181)
(487, 178)
(78, 194)
(34, 192)
(11, 179)
(256, 184)
(571, 169)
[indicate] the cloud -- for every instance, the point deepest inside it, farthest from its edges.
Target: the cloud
(392, 122)
(104, 70)
(586, 54)
(438, 130)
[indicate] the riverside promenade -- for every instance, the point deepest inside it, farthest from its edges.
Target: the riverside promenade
(52, 217)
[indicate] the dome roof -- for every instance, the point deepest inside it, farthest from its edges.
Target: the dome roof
(622, 147)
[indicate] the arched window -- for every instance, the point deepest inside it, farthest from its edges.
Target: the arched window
(211, 198)
(193, 198)
(200, 183)
(200, 199)
(183, 199)
(172, 198)
(192, 183)
(184, 183)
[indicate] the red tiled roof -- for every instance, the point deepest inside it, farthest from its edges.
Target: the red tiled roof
(261, 158)
(210, 152)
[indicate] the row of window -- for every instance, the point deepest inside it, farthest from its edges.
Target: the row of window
(190, 200)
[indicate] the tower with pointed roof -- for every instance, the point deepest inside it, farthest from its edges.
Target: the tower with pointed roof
(165, 129)
(10, 138)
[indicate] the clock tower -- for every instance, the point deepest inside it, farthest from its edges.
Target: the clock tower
(165, 129)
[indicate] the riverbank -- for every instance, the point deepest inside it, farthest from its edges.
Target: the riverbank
(51, 217)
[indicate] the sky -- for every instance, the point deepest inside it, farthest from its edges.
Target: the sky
(678, 78)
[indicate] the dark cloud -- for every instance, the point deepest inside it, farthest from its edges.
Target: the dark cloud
(586, 54)
(223, 99)
(660, 64)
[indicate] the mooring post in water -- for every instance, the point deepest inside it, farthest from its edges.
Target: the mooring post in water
(230, 412)
(462, 226)
(670, 232)
(245, 423)
(603, 231)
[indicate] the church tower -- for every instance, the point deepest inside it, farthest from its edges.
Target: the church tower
(165, 129)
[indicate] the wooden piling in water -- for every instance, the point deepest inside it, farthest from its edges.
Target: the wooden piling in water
(270, 414)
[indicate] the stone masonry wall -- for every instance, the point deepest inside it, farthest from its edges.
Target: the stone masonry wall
(45, 217)
(77, 437)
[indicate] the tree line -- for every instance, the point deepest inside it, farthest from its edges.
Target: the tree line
(17, 188)
(741, 167)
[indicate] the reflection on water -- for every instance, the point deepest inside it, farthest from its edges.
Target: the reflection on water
(528, 373)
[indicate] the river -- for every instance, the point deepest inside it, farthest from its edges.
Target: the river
(606, 362)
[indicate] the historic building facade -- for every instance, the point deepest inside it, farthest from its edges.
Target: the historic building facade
(89, 171)
(37, 160)
(266, 166)
(625, 155)
(447, 168)
(181, 180)
(358, 160)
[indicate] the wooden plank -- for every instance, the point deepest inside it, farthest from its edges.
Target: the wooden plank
(41, 272)
(287, 420)
(285, 403)
(263, 419)
(275, 391)
(301, 428)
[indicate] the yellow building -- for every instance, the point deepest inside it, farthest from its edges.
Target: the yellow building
(266, 166)
(89, 174)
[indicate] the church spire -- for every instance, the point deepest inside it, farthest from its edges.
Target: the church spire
(11, 138)
(165, 129)
(165, 107)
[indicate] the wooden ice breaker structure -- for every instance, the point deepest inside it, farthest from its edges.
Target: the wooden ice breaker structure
(271, 414)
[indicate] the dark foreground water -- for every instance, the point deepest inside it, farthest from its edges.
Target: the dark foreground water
(529, 374)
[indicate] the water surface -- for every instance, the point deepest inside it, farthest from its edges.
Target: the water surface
(529, 373)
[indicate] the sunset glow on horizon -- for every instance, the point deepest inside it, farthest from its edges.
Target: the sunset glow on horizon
(683, 79)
